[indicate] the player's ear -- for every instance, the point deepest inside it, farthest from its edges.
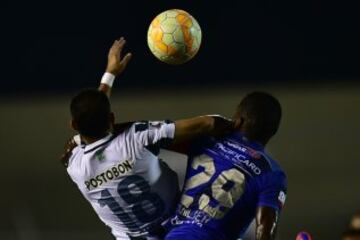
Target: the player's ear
(73, 125)
(239, 121)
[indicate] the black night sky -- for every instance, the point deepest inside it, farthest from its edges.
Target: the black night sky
(59, 46)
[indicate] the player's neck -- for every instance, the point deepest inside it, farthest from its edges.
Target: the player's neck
(90, 140)
(251, 139)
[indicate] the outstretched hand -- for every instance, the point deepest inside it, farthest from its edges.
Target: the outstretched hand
(116, 64)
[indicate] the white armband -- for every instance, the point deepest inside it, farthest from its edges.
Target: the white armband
(108, 79)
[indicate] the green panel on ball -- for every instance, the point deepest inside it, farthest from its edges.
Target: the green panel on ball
(180, 48)
(167, 38)
(178, 35)
(171, 13)
(169, 25)
(162, 17)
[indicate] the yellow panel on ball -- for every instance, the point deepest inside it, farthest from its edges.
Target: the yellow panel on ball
(174, 36)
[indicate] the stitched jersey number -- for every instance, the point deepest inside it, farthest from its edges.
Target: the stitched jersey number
(226, 189)
(147, 206)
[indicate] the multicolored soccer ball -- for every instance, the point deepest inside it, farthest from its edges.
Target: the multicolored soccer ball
(174, 36)
(303, 236)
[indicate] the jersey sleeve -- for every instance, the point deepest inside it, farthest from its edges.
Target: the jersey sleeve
(154, 135)
(273, 187)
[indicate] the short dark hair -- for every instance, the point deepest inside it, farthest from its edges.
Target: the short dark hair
(351, 233)
(90, 111)
(261, 115)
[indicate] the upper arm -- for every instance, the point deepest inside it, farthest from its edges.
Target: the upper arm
(154, 135)
(271, 200)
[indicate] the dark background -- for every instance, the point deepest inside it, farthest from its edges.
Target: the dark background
(304, 52)
(63, 44)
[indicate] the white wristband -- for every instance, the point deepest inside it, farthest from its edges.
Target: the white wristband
(108, 79)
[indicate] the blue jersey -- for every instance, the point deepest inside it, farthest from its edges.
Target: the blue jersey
(226, 180)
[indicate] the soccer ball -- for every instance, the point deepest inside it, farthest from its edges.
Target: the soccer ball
(303, 236)
(174, 36)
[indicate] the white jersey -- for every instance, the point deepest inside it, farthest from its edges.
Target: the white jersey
(131, 190)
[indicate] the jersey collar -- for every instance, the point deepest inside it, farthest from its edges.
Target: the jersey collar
(95, 145)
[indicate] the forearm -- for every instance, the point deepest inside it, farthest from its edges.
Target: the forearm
(188, 128)
(204, 125)
(105, 89)
(221, 126)
(266, 223)
(264, 233)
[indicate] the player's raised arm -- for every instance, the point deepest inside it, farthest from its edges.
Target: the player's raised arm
(116, 64)
(266, 223)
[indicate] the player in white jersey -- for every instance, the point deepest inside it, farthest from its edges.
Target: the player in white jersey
(116, 167)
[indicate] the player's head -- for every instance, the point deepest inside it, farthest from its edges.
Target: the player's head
(351, 234)
(258, 116)
(91, 113)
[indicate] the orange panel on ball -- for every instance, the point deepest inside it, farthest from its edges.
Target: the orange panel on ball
(188, 39)
(161, 46)
(156, 35)
(181, 18)
(155, 23)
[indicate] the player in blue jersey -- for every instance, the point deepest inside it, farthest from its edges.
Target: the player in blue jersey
(232, 180)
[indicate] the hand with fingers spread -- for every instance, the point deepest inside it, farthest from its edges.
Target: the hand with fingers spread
(116, 64)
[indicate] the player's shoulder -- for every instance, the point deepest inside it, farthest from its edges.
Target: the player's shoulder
(126, 132)
(129, 131)
(276, 177)
(123, 128)
(272, 163)
(273, 173)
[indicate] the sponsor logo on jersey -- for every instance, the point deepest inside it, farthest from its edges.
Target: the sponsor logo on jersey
(238, 158)
(255, 169)
(196, 217)
(245, 149)
(282, 198)
(112, 173)
(100, 155)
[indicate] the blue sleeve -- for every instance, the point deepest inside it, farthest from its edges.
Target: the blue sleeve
(273, 188)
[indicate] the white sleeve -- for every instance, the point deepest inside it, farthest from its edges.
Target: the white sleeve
(150, 133)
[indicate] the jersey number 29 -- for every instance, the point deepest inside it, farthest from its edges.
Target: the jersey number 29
(226, 189)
